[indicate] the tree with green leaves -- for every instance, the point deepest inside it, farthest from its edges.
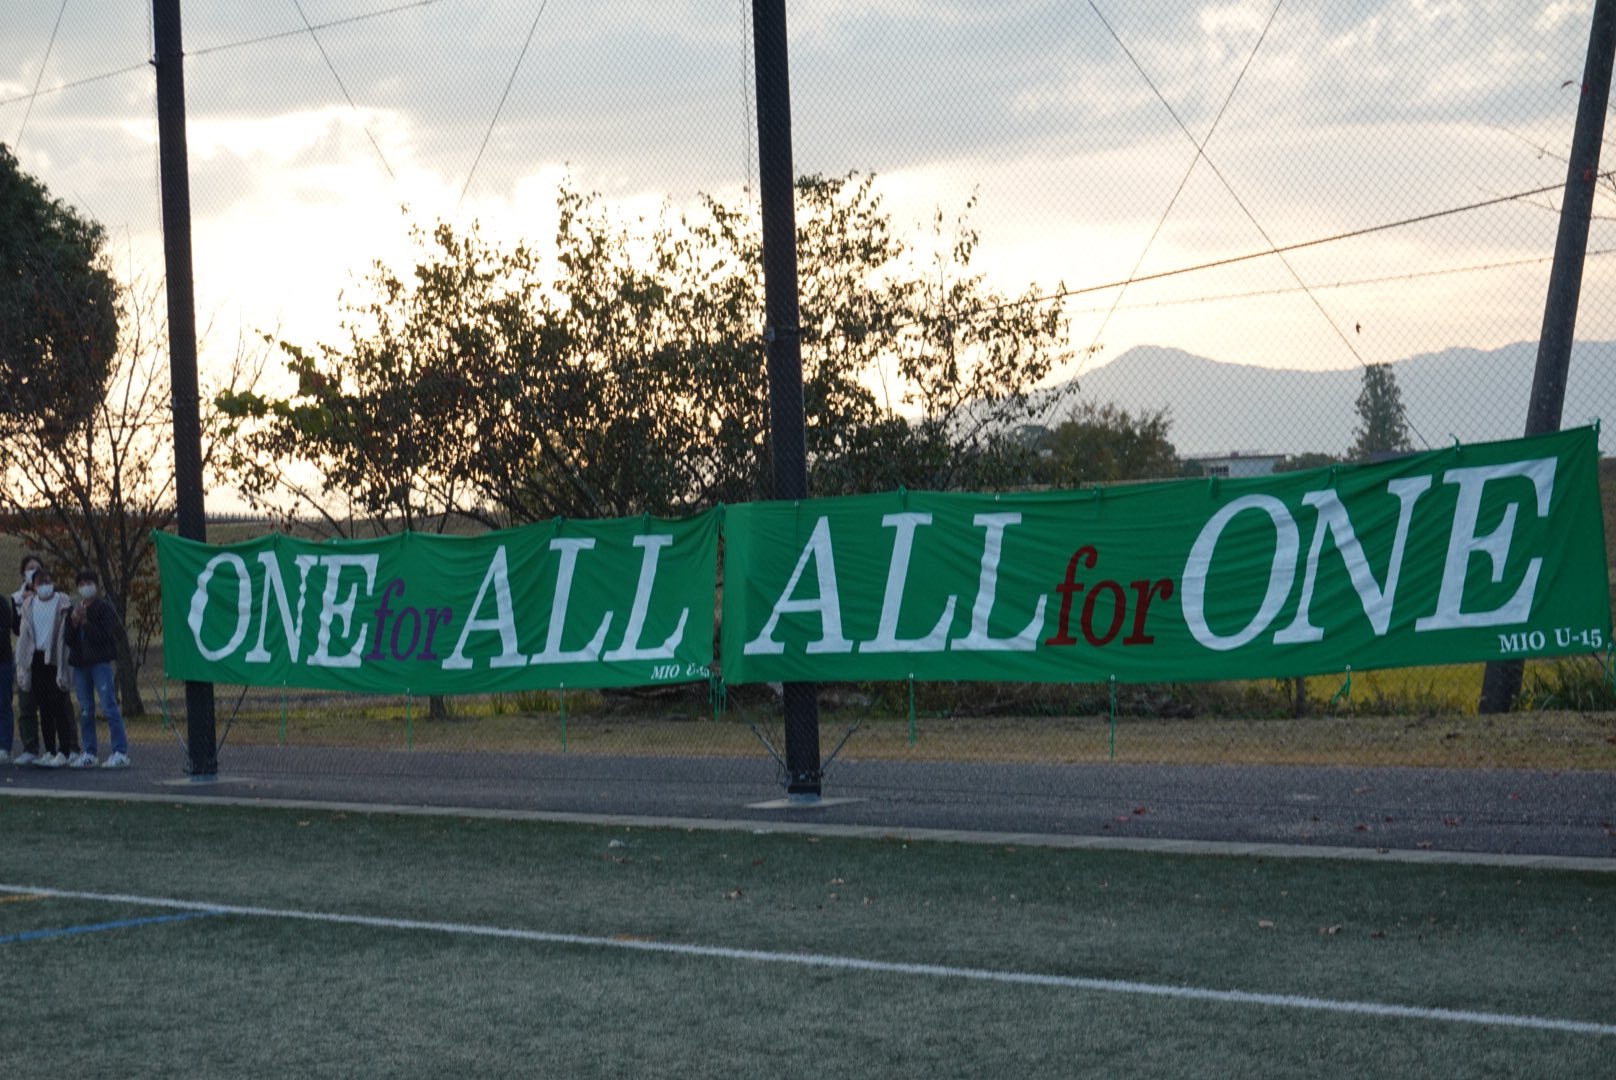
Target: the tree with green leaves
(58, 307)
(1382, 425)
(629, 376)
(1103, 444)
(93, 497)
(85, 408)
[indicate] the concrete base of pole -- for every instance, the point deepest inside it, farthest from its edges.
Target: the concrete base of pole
(1500, 686)
(800, 802)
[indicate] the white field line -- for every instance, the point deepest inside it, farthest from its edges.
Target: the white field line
(853, 963)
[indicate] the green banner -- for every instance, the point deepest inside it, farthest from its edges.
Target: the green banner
(1491, 551)
(1483, 552)
(566, 604)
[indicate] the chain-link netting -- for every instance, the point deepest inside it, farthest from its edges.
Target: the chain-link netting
(1233, 211)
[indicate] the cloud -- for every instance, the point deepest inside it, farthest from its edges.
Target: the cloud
(1348, 115)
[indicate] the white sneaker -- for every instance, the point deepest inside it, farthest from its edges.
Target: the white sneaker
(85, 760)
(116, 760)
(52, 761)
(25, 758)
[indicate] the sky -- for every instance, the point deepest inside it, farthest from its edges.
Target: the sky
(1075, 124)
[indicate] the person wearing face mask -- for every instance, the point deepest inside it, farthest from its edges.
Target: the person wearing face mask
(92, 653)
(27, 714)
(8, 676)
(42, 668)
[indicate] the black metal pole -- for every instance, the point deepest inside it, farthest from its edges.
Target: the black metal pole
(174, 167)
(1501, 683)
(777, 191)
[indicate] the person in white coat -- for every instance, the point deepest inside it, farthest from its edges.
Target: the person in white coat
(27, 712)
(42, 669)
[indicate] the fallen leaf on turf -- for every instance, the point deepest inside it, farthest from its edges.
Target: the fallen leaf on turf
(1423, 844)
(1264, 924)
(1378, 935)
(734, 894)
(1330, 930)
(1140, 810)
(837, 881)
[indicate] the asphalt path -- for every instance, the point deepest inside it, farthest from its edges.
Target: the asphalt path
(1495, 811)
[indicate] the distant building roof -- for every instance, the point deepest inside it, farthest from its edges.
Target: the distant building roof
(1237, 455)
(1238, 463)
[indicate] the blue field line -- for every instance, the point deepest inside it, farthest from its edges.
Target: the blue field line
(95, 928)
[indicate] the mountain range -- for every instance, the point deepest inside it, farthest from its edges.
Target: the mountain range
(1460, 393)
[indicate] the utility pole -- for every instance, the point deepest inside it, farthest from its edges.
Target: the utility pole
(1501, 684)
(777, 192)
(174, 168)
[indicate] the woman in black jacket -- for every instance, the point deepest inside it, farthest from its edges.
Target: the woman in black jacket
(92, 652)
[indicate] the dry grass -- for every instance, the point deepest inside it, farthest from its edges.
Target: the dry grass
(593, 726)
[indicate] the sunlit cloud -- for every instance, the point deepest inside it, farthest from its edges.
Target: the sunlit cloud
(1346, 116)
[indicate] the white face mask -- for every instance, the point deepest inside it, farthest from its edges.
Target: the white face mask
(46, 591)
(87, 591)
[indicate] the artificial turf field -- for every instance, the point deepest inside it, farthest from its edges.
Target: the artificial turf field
(158, 939)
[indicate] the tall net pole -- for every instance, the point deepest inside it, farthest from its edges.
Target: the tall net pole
(174, 167)
(783, 334)
(1501, 683)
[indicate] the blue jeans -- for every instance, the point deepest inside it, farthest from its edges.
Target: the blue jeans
(8, 676)
(94, 682)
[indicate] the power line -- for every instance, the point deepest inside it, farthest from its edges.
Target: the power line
(58, 88)
(1254, 294)
(310, 29)
(343, 87)
(1215, 264)
(501, 106)
(40, 74)
(245, 42)
(1415, 275)
(1200, 154)
(1227, 186)
(1241, 203)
